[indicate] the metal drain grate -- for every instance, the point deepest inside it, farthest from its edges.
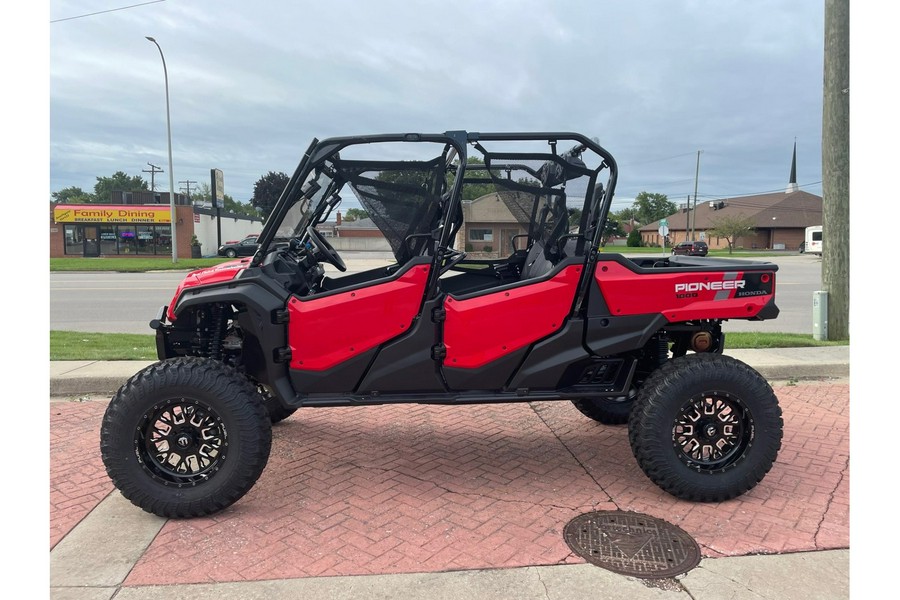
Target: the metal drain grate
(630, 543)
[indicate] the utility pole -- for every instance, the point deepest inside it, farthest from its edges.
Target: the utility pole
(696, 182)
(153, 171)
(188, 187)
(836, 168)
(687, 226)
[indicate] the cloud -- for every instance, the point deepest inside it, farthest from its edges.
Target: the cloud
(251, 84)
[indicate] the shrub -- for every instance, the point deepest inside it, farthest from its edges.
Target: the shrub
(634, 239)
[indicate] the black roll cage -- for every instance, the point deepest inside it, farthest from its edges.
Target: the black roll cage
(597, 202)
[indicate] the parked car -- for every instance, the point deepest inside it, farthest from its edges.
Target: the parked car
(246, 247)
(691, 249)
(247, 237)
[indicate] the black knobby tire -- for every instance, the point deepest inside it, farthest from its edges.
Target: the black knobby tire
(705, 427)
(185, 437)
(609, 411)
(277, 412)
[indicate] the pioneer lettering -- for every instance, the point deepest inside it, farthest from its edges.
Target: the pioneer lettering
(697, 286)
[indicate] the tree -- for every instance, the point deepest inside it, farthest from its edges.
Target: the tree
(241, 208)
(575, 217)
(473, 191)
(118, 182)
(634, 238)
(72, 195)
(202, 193)
(652, 207)
(626, 214)
(610, 230)
(267, 190)
(836, 168)
(355, 214)
(730, 228)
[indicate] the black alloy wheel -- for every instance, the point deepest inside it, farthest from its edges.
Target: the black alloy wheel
(181, 442)
(712, 432)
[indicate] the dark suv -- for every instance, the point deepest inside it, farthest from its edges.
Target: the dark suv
(691, 249)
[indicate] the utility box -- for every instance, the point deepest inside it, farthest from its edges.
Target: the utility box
(820, 315)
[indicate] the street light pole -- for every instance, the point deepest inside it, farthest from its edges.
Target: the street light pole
(171, 174)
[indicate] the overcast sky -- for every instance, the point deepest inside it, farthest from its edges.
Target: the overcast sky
(251, 83)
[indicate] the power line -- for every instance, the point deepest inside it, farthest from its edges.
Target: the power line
(106, 11)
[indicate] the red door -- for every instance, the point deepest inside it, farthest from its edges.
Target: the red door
(485, 328)
(324, 331)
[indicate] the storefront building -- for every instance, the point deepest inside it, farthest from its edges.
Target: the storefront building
(93, 230)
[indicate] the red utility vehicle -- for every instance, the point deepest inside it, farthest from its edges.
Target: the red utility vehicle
(639, 340)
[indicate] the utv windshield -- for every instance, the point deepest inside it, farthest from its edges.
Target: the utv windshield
(319, 188)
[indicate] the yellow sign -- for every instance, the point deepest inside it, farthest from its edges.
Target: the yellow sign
(105, 213)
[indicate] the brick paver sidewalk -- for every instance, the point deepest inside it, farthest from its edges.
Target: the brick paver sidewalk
(417, 488)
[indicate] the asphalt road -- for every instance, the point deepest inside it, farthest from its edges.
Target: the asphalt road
(799, 276)
(125, 302)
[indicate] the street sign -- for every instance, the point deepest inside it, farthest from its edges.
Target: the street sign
(663, 232)
(218, 188)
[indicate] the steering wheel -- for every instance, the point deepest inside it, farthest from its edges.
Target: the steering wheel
(329, 254)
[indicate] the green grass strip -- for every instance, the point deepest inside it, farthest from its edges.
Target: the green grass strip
(75, 345)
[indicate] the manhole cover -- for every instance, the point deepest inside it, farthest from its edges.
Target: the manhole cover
(630, 543)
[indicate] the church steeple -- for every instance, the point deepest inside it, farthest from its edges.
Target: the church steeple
(792, 184)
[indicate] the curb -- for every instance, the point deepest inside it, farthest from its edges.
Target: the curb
(788, 364)
(76, 378)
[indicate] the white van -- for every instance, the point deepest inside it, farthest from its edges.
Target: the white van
(813, 241)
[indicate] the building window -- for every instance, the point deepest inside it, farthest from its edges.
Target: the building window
(74, 239)
(127, 241)
(144, 239)
(163, 239)
(481, 235)
(108, 239)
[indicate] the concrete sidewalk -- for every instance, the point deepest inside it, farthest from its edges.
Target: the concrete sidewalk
(452, 503)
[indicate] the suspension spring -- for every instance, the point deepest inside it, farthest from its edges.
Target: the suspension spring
(217, 331)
